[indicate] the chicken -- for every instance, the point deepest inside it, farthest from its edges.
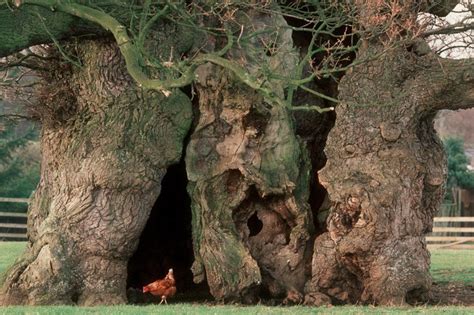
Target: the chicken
(164, 288)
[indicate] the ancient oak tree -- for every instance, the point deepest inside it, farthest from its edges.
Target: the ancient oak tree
(297, 138)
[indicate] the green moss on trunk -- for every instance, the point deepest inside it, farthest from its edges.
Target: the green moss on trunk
(31, 25)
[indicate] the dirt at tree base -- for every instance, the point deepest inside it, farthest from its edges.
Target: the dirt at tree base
(442, 294)
(452, 293)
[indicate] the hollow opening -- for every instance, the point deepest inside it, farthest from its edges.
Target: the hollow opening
(417, 296)
(456, 130)
(166, 242)
(254, 224)
(314, 127)
(314, 130)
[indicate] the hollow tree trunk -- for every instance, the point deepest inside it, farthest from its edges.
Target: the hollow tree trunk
(384, 176)
(249, 176)
(101, 172)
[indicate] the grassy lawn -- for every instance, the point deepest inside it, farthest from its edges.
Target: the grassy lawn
(447, 266)
(9, 252)
(231, 309)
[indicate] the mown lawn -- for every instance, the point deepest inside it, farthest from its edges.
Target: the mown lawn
(447, 266)
(231, 309)
(9, 252)
(450, 265)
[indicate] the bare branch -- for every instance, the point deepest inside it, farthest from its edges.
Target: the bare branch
(451, 29)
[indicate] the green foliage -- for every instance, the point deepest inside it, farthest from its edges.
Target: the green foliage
(19, 166)
(458, 174)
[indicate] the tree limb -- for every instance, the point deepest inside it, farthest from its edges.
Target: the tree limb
(132, 53)
(451, 29)
(19, 27)
(440, 8)
(454, 81)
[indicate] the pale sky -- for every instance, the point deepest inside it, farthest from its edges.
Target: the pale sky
(460, 45)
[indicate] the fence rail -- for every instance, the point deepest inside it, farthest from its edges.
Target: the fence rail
(454, 229)
(454, 219)
(453, 237)
(13, 225)
(13, 235)
(15, 200)
(13, 215)
(13, 230)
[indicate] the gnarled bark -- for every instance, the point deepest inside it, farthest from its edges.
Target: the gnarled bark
(109, 143)
(384, 176)
(244, 161)
(101, 172)
(249, 176)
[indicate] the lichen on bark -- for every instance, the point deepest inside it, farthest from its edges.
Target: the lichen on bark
(101, 174)
(244, 164)
(384, 176)
(249, 173)
(27, 26)
(241, 162)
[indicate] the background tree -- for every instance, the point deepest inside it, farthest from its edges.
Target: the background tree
(17, 174)
(458, 173)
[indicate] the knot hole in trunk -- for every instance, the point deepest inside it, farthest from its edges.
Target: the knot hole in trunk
(254, 224)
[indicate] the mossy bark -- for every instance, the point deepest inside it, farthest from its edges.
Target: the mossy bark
(249, 176)
(385, 175)
(32, 25)
(108, 144)
(101, 172)
(241, 163)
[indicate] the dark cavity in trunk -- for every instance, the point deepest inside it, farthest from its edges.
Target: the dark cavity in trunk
(166, 241)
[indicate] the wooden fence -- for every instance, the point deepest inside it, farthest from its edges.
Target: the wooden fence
(12, 224)
(452, 232)
(448, 232)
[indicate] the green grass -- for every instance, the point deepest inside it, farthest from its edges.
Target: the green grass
(447, 266)
(9, 252)
(230, 309)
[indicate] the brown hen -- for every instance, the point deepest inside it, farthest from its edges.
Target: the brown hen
(165, 288)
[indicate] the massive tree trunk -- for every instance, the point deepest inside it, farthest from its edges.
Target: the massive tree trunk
(106, 146)
(249, 178)
(385, 175)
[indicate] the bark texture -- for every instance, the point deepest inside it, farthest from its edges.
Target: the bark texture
(107, 145)
(32, 25)
(249, 177)
(385, 175)
(243, 163)
(103, 161)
